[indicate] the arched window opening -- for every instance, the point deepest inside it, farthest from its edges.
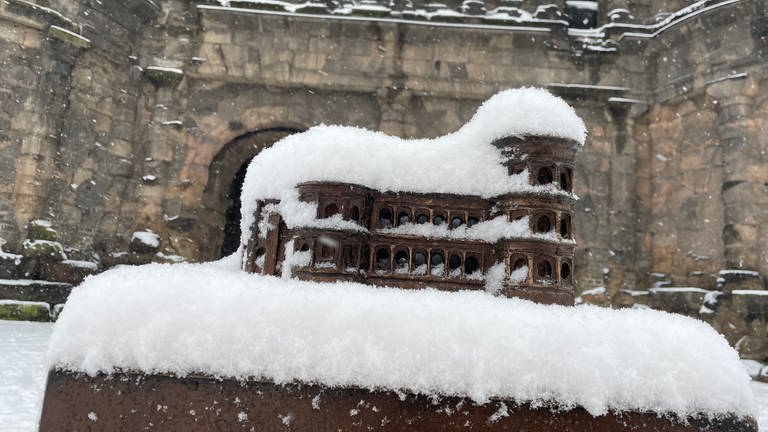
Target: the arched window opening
(365, 256)
(519, 263)
(401, 261)
(545, 176)
(456, 222)
(565, 179)
(544, 270)
(382, 259)
(385, 218)
(403, 217)
(565, 272)
(326, 256)
(438, 219)
(543, 224)
(419, 263)
(350, 259)
(437, 264)
(472, 220)
(304, 247)
(354, 214)
(472, 268)
(330, 210)
(565, 226)
(422, 218)
(454, 266)
(519, 272)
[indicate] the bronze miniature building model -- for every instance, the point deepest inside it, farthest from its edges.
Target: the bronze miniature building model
(537, 265)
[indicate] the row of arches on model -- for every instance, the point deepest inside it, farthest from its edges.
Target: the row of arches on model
(523, 269)
(351, 212)
(404, 260)
(390, 217)
(544, 221)
(544, 173)
(397, 260)
(420, 261)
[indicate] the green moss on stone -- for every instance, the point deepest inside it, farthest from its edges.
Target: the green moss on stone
(44, 249)
(163, 76)
(41, 230)
(69, 37)
(40, 9)
(25, 312)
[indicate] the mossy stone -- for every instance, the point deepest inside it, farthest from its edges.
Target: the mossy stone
(44, 249)
(69, 37)
(25, 312)
(163, 76)
(41, 231)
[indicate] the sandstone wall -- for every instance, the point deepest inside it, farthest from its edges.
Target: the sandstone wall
(70, 116)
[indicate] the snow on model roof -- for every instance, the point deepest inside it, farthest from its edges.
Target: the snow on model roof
(213, 318)
(463, 162)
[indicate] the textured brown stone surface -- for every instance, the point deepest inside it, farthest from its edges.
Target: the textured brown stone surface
(156, 402)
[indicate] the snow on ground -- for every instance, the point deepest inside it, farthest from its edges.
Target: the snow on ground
(761, 397)
(22, 373)
(22, 377)
(213, 318)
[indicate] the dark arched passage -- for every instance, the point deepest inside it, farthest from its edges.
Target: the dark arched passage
(220, 219)
(231, 240)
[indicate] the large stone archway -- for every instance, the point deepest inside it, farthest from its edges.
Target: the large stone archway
(220, 215)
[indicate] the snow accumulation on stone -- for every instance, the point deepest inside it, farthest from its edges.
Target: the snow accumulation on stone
(464, 162)
(215, 319)
(82, 264)
(146, 237)
(27, 282)
(677, 290)
(7, 255)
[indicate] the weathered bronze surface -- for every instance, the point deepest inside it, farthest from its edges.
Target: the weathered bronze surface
(377, 256)
(136, 402)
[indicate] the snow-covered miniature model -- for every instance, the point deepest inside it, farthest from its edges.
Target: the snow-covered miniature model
(493, 211)
(444, 241)
(198, 347)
